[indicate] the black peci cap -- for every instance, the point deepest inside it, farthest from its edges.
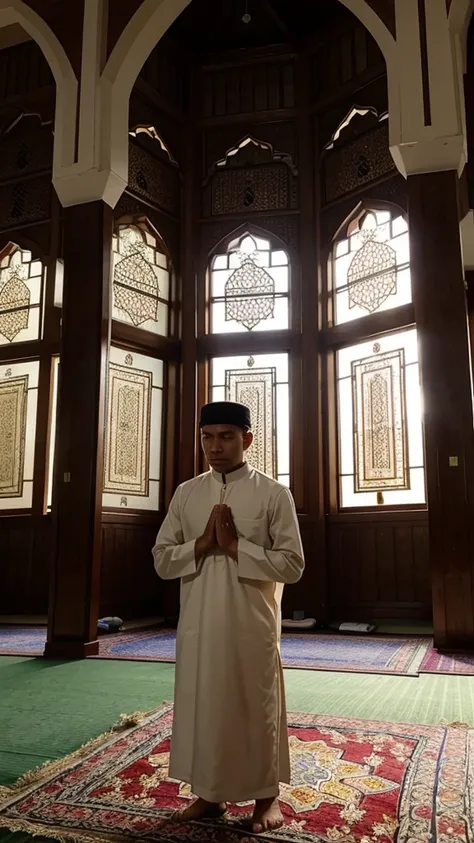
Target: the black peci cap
(225, 412)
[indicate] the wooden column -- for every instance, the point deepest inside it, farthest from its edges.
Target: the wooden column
(307, 419)
(441, 316)
(77, 497)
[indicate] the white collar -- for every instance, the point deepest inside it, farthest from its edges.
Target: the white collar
(238, 474)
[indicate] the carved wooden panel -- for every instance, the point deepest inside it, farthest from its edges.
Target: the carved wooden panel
(26, 149)
(309, 594)
(153, 179)
(143, 114)
(372, 97)
(280, 136)
(379, 567)
(269, 187)
(25, 202)
(25, 549)
(130, 587)
(247, 89)
(357, 163)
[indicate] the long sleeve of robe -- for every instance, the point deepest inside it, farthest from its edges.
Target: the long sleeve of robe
(230, 739)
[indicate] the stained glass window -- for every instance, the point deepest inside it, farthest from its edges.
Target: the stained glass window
(132, 448)
(260, 382)
(371, 267)
(21, 293)
(18, 405)
(249, 287)
(141, 280)
(381, 460)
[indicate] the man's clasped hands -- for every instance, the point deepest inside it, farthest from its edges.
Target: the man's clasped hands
(220, 533)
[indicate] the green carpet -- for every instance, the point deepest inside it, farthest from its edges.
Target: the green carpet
(48, 709)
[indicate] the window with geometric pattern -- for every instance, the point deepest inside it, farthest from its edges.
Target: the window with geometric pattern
(261, 382)
(141, 279)
(381, 458)
(21, 296)
(249, 287)
(371, 267)
(132, 444)
(18, 410)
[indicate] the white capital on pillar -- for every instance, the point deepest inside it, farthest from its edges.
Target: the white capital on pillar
(428, 134)
(91, 177)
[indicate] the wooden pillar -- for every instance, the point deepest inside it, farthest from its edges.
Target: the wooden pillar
(307, 426)
(441, 316)
(77, 497)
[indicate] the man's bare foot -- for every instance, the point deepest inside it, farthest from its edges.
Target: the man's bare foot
(200, 810)
(267, 816)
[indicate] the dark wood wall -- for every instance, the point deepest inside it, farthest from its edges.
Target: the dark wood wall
(358, 565)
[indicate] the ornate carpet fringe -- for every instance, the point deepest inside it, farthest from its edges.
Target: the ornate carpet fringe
(51, 768)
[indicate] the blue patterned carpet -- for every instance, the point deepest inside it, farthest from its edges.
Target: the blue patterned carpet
(367, 654)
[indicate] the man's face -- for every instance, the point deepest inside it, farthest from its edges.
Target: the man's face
(224, 446)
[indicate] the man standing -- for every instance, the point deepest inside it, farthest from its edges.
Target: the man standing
(232, 537)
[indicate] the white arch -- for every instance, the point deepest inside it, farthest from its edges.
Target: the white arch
(142, 33)
(140, 36)
(388, 46)
(460, 13)
(17, 12)
(378, 30)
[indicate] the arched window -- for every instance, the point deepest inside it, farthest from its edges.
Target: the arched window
(249, 287)
(22, 282)
(21, 296)
(380, 455)
(18, 408)
(371, 266)
(141, 279)
(249, 282)
(134, 407)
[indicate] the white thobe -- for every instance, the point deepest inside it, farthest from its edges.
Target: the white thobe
(230, 740)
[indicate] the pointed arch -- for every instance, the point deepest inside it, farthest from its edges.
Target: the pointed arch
(460, 13)
(377, 28)
(254, 231)
(251, 140)
(17, 12)
(140, 36)
(365, 206)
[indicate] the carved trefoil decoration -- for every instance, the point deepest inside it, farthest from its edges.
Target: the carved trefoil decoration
(127, 441)
(379, 420)
(250, 290)
(14, 297)
(13, 408)
(372, 274)
(136, 288)
(256, 389)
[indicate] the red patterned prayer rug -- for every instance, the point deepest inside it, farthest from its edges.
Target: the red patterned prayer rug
(353, 780)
